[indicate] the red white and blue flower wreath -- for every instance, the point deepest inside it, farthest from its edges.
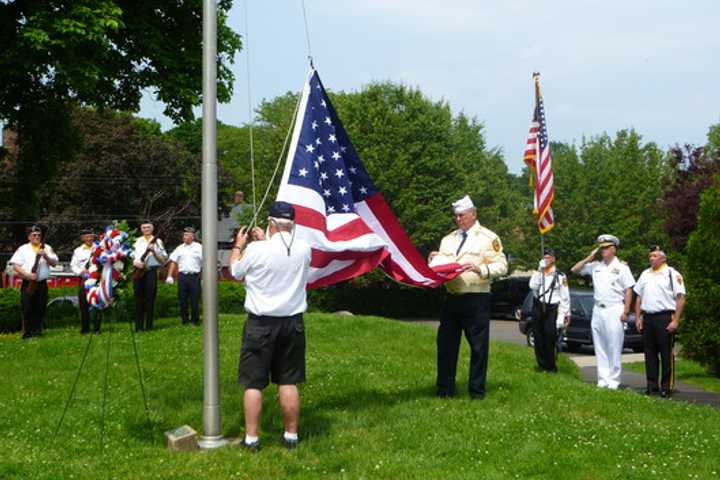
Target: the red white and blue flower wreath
(107, 262)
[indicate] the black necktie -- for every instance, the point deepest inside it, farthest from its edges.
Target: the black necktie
(462, 242)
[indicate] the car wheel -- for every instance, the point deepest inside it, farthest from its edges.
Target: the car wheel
(530, 337)
(517, 313)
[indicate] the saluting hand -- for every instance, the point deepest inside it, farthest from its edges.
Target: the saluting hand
(242, 237)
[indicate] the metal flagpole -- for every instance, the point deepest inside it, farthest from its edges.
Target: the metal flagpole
(212, 433)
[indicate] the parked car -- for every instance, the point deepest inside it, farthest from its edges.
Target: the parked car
(507, 295)
(579, 333)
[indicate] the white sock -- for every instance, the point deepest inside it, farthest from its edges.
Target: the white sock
(250, 439)
(290, 436)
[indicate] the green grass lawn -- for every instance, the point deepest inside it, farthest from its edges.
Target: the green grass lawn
(368, 412)
(686, 371)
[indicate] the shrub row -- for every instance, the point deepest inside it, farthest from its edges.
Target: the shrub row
(231, 296)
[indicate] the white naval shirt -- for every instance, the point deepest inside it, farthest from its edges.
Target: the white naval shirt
(658, 289)
(609, 281)
(24, 257)
(188, 257)
(559, 294)
(79, 261)
(151, 260)
(274, 281)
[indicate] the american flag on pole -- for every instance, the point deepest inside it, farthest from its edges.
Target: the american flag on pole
(539, 159)
(338, 209)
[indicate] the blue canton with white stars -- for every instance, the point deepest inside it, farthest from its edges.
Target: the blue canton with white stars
(325, 159)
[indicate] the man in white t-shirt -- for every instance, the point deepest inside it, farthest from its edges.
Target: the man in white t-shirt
(275, 270)
(32, 262)
(187, 260)
(612, 286)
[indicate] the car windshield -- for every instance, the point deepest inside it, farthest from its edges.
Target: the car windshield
(584, 302)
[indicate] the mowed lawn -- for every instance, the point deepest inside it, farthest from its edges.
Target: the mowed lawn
(368, 412)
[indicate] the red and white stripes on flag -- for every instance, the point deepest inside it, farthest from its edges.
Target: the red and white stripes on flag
(538, 158)
(338, 209)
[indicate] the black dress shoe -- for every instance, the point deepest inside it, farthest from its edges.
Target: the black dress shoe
(665, 394)
(290, 444)
(650, 391)
(477, 396)
(253, 447)
(440, 394)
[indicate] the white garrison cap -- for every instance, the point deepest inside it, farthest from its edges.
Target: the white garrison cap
(463, 204)
(607, 240)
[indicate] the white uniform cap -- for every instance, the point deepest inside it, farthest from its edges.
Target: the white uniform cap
(463, 204)
(607, 240)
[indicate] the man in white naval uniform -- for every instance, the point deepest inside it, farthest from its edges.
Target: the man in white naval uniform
(79, 265)
(612, 286)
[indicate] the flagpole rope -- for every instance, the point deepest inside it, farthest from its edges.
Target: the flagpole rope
(279, 161)
(250, 112)
(307, 35)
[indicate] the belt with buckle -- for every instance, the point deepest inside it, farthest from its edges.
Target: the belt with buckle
(606, 305)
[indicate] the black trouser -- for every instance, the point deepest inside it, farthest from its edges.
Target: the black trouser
(189, 287)
(145, 290)
(85, 312)
(544, 317)
(469, 313)
(33, 307)
(658, 341)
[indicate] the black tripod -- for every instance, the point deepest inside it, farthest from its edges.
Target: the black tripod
(122, 306)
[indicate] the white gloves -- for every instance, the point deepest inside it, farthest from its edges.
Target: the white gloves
(169, 280)
(541, 264)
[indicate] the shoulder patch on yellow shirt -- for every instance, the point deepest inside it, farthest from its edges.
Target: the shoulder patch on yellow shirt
(565, 283)
(679, 279)
(496, 245)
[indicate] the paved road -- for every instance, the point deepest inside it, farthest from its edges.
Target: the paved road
(507, 331)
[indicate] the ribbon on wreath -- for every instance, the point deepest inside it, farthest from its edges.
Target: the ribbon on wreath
(107, 264)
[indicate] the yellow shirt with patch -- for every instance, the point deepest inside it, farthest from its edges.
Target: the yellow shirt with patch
(484, 250)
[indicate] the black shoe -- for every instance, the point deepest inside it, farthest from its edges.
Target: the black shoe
(290, 444)
(441, 394)
(26, 335)
(477, 396)
(665, 393)
(253, 447)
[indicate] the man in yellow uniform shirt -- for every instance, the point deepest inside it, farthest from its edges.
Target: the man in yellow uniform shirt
(467, 306)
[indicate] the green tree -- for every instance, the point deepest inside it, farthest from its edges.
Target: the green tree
(124, 169)
(102, 53)
(700, 329)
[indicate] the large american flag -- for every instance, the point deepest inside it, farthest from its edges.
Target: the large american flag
(338, 208)
(539, 159)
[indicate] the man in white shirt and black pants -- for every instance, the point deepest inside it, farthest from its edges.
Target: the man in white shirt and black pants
(32, 261)
(612, 287)
(149, 254)
(79, 265)
(187, 259)
(275, 271)
(661, 299)
(551, 306)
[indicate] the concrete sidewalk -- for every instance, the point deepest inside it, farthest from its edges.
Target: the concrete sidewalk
(507, 331)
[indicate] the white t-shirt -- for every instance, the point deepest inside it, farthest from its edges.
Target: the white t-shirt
(609, 281)
(24, 257)
(188, 257)
(275, 281)
(658, 289)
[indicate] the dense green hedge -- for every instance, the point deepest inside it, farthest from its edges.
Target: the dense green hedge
(700, 329)
(231, 296)
(373, 294)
